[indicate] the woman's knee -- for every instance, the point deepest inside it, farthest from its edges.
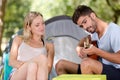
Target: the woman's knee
(40, 59)
(32, 66)
(41, 56)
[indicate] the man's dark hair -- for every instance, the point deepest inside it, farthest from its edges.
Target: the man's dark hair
(81, 10)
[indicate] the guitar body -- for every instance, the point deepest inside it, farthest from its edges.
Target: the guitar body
(86, 42)
(93, 56)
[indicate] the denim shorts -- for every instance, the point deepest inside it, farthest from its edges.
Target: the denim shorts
(13, 70)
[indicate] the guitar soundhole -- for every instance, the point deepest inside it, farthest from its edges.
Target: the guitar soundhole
(94, 43)
(94, 56)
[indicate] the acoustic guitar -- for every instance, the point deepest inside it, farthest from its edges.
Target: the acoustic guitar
(86, 43)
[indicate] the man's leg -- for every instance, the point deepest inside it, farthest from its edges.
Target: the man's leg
(91, 66)
(111, 72)
(67, 67)
(87, 66)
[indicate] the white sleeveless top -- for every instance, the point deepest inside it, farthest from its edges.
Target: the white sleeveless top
(26, 52)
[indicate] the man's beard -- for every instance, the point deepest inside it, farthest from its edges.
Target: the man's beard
(94, 25)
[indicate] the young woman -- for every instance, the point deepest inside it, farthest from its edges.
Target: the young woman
(30, 56)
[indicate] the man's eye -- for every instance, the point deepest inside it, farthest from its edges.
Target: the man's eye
(81, 26)
(84, 21)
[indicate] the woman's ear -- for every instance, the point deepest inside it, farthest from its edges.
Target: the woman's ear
(29, 28)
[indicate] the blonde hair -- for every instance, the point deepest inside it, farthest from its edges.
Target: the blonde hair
(27, 22)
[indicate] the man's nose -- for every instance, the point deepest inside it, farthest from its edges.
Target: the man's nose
(84, 27)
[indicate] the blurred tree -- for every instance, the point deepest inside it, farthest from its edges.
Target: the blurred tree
(108, 10)
(2, 14)
(67, 7)
(102, 9)
(63, 7)
(14, 16)
(55, 7)
(115, 5)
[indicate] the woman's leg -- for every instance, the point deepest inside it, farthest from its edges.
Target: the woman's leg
(42, 71)
(21, 73)
(42, 68)
(38, 66)
(32, 71)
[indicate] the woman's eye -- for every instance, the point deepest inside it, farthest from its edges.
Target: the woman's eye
(37, 25)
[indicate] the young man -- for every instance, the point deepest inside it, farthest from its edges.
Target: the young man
(108, 40)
